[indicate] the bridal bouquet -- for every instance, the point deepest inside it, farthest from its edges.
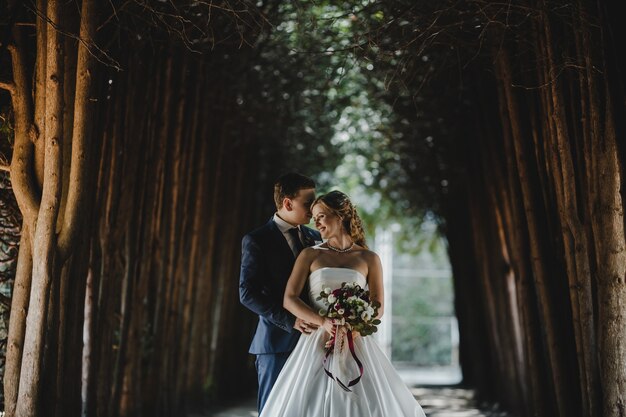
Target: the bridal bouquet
(350, 305)
(352, 310)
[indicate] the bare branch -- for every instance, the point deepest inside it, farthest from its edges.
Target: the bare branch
(92, 47)
(10, 87)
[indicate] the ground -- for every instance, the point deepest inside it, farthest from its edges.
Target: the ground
(438, 401)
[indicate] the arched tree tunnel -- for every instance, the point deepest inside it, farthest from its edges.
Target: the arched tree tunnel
(141, 141)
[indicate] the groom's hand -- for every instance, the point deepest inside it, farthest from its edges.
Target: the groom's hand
(304, 326)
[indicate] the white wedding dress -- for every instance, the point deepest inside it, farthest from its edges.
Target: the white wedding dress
(303, 389)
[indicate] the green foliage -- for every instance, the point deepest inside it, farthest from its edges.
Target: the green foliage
(423, 323)
(378, 134)
(422, 343)
(430, 297)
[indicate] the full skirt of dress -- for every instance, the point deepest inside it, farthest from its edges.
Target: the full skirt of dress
(303, 389)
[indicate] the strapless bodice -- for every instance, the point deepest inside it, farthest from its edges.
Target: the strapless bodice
(332, 277)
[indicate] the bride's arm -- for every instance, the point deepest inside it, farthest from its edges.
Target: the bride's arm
(375, 282)
(295, 285)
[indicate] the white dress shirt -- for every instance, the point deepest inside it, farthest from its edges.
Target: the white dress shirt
(284, 227)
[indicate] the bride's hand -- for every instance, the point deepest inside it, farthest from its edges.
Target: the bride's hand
(304, 327)
(329, 326)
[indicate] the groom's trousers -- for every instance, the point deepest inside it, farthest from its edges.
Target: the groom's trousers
(268, 367)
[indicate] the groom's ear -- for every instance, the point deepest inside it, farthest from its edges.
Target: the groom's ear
(287, 204)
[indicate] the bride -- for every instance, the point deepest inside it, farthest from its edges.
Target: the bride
(308, 384)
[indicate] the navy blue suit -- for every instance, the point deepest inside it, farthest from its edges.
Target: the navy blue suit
(266, 263)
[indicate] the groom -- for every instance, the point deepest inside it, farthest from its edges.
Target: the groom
(267, 258)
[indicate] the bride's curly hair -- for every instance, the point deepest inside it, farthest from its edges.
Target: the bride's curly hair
(339, 204)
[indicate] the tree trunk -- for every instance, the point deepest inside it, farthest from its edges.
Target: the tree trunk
(535, 238)
(44, 248)
(82, 131)
(17, 323)
(611, 253)
(87, 376)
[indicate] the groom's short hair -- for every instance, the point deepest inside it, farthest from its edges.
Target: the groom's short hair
(288, 185)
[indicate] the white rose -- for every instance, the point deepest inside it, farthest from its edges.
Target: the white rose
(370, 311)
(365, 316)
(331, 299)
(327, 290)
(341, 311)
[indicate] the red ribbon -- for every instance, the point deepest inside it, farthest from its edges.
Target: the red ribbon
(354, 356)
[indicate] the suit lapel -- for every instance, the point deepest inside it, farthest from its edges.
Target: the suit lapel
(281, 242)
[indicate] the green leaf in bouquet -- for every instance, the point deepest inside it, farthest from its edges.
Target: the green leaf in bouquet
(376, 322)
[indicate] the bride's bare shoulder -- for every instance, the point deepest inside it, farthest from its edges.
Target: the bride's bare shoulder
(370, 257)
(364, 251)
(310, 253)
(367, 254)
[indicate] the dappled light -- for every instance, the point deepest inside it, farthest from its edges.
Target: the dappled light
(454, 402)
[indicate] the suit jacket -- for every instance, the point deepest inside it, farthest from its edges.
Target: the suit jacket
(266, 264)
